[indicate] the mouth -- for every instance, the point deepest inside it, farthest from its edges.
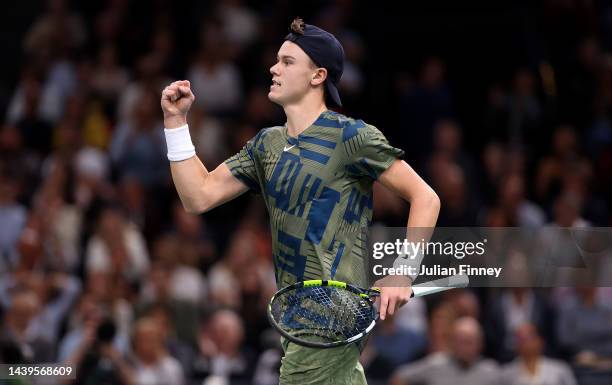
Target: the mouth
(274, 84)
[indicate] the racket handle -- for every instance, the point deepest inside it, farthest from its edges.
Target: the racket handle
(442, 284)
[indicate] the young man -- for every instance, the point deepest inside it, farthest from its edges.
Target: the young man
(315, 174)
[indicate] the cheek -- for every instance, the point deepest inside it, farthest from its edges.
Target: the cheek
(297, 79)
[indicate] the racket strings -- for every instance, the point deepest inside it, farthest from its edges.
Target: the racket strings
(321, 312)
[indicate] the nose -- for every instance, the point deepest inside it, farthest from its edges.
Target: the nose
(274, 69)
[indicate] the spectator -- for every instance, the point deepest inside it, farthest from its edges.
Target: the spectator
(138, 148)
(117, 247)
(148, 77)
(213, 78)
(209, 137)
(565, 157)
(441, 323)
(424, 104)
(181, 349)
(33, 110)
(134, 201)
(54, 226)
(413, 316)
(448, 145)
(57, 30)
(567, 211)
(221, 353)
(53, 294)
(531, 366)
(152, 363)
(23, 161)
(113, 294)
(511, 309)
(463, 364)
(240, 24)
(584, 331)
(391, 346)
(96, 361)
(12, 221)
(450, 182)
(194, 235)
(91, 167)
(513, 203)
(223, 276)
(161, 293)
(19, 329)
(523, 110)
(89, 315)
(109, 78)
(494, 159)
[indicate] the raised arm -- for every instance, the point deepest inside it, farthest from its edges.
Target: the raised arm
(199, 189)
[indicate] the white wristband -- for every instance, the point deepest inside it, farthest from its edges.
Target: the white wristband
(179, 143)
(411, 263)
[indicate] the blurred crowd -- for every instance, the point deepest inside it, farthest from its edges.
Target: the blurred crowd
(102, 269)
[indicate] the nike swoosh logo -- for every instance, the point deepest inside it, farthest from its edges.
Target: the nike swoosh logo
(288, 148)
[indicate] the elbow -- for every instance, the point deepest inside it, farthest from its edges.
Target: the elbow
(434, 201)
(197, 201)
(427, 199)
(196, 206)
(194, 209)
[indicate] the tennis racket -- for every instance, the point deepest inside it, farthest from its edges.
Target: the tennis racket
(325, 314)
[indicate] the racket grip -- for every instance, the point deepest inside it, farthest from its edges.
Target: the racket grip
(442, 284)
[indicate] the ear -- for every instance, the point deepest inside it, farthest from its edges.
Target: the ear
(319, 76)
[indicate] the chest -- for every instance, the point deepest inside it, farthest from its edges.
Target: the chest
(299, 170)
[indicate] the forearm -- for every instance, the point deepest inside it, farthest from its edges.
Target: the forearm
(190, 176)
(422, 219)
(424, 208)
(424, 211)
(188, 172)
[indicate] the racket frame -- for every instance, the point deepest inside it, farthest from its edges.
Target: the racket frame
(427, 288)
(363, 293)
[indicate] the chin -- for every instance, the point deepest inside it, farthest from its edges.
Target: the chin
(274, 99)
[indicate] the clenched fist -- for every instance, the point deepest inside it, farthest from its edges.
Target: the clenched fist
(176, 100)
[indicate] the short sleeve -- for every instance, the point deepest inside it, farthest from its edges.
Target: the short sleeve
(373, 154)
(242, 166)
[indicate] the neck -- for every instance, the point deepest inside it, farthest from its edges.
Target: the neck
(301, 115)
(465, 364)
(531, 364)
(150, 359)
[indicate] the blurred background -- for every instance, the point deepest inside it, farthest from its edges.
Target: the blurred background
(503, 107)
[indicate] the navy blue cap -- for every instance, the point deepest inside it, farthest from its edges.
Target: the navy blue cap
(324, 50)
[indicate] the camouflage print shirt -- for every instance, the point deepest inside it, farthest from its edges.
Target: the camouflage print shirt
(317, 188)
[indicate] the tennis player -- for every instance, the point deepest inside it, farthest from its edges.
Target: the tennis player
(315, 174)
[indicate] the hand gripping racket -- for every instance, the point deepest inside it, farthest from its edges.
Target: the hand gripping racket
(326, 314)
